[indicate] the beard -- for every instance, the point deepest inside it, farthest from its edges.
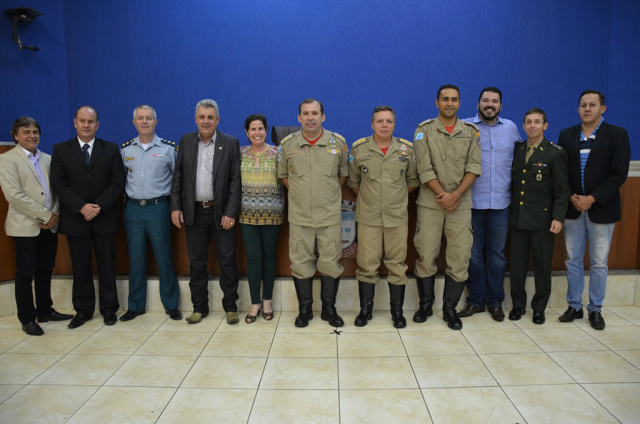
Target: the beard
(488, 118)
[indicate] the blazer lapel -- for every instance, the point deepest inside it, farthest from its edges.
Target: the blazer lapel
(217, 156)
(601, 134)
(98, 147)
(74, 147)
(27, 162)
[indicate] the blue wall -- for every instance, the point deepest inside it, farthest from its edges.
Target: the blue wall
(265, 56)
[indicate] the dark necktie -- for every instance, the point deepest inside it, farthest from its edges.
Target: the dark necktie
(85, 150)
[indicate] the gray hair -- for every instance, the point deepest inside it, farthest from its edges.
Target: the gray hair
(207, 103)
(135, 111)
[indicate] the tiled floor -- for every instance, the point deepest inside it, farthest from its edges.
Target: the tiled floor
(153, 369)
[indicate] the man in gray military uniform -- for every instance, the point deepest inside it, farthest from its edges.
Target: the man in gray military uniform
(382, 172)
(448, 155)
(313, 165)
(149, 162)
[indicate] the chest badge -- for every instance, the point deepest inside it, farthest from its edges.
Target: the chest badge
(539, 177)
(365, 170)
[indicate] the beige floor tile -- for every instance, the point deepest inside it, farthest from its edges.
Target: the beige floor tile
(483, 321)
(113, 343)
(54, 341)
(316, 325)
(597, 367)
(10, 338)
(566, 403)
(209, 324)
(451, 371)
(629, 313)
(381, 322)
(260, 326)
(505, 341)
(300, 373)
(225, 373)
(7, 390)
(569, 339)
(525, 368)
(370, 345)
(633, 356)
(301, 345)
(170, 343)
(7, 299)
(81, 370)
(94, 324)
(618, 338)
(124, 405)
(52, 404)
(11, 323)
(253, 345)
(21, 368)
(435, 343)
(551, 319)
(404, 406)
(611, 319)
(295, 406)
(225, 405)
(150, 321)
(433, 323)
(376, 373)
(482, 405)
(157, 371)
(620, 399)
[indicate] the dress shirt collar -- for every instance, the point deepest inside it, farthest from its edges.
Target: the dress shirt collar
(29, 154)
(154, 142)
(593, 134)
(82, 143)
(213, 139)
(478, 120)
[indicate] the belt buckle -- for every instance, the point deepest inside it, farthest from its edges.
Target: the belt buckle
(143, 202)
(204, 204)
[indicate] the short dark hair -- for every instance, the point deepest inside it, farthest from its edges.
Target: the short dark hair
(382, 108)
(490, 90)
(93, 109)
(308, 102)
(536, 110)
(23, 121)
(600, 95)
(255, 117)
(444, 87)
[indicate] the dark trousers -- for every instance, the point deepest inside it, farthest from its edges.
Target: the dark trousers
(35, 259)
(260, 242)
(83, 293)
(540, 245)
(206, 226)
(152, 222)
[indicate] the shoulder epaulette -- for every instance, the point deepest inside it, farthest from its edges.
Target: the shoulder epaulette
(287, 138)
(426, 122)
(407, 142)
(338, 136)
(360, 141)
(471, 124)
(126, 143)
(556, 146)
(168, 142)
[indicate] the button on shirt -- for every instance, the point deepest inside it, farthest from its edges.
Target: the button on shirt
(204, 173)
(149, 171)
(492, 190)
(35, 161)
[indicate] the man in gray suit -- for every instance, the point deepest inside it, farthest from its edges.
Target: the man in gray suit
(205, 195)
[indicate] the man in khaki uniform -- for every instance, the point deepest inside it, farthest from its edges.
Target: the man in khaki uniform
(448, 156)
(313, 165)
(382, 171)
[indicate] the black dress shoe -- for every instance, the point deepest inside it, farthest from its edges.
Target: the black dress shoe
(470, 310)
(55, 316)
(32, 329)
(570, 314)
(78, 320)
(496, 313)
(110, 318)
(127, 316)
(538, 317)
(516, 313)
(174, 314)
(597, 322)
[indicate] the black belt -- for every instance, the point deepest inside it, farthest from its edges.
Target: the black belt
(148, 202)
(205, 203)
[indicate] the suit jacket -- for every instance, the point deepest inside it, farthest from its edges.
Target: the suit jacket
(24, 192)
(77, 183)
(227, 186)
(540, 188)
(605, 171)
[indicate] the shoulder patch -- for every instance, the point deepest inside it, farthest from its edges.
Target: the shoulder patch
(360, 141)
(419, 136)
(407, 142)
(426, 122)
(126, 143)
(287, 138)
(338, 136)
(471, 124)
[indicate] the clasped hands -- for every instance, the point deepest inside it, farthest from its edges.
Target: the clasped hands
(448, 201)
(90, 211)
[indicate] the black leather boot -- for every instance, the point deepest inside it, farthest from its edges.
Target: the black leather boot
(450, 298)
(328, 293)
(396, 300)
(304, 291)
(366, 291)
(427, 297)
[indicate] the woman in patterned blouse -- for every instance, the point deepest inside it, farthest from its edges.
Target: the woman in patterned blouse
(261, 214)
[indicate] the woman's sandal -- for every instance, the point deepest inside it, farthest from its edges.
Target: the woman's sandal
(268, 316)
(250, 318)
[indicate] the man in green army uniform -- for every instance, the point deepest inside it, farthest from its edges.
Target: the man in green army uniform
(448, 156)
(313, 165)
(382, 171)
(539, 200)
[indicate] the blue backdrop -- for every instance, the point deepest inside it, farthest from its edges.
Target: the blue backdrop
(265, 56)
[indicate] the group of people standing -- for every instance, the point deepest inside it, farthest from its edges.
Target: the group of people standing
(477, 182)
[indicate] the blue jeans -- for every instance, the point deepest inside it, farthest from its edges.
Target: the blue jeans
(576, 233)
(488, 263)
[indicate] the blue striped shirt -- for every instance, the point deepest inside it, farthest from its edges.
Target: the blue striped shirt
(585, 149)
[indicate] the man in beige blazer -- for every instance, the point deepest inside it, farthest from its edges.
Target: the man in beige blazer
(32, 223)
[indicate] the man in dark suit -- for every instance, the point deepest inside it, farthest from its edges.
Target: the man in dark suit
(88, 177)
(539, 198)
(599, 156)
(205, 195)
